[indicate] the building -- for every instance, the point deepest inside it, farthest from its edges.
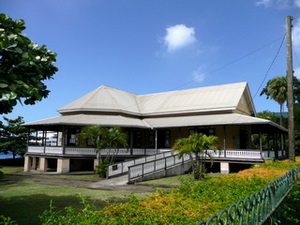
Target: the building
(153, 123)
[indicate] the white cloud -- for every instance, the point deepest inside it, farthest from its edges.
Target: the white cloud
(279, 4)
(179, 36)
(297, 72)
(296, 36)
(198, 75)
(266, 3)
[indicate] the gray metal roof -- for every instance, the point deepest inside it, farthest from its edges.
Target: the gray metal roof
(208, 120)
(104, 99)
(153, 123)
(85, 120)
(204, 99)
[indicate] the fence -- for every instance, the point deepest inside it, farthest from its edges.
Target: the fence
(257, 208)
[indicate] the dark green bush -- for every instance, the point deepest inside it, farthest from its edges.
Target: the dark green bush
(288, 211)
(101, 169)
(1, 175)
(6, 221)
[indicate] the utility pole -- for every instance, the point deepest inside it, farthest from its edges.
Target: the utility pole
(290, 93)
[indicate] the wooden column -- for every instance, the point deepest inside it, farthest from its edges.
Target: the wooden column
(224, 140)
(131, 142)
(156, 141)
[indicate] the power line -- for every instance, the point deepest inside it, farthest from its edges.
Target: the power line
(229, 63)
(266, 75)
(268, 70)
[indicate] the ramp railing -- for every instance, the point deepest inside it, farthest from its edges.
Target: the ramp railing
(122, 167)
(147, 168)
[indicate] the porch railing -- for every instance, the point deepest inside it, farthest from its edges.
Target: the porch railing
(89, 151)
(271, 154)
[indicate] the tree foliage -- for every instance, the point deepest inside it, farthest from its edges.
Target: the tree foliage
(276, 89)
(13, 136)
(24, 66)
(198, 145)
(105, 139)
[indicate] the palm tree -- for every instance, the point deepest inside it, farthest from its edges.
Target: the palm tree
(196, 145)
(276, 89)
(104, 139)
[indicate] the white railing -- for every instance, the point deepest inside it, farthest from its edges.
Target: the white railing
(156, 165)
(245, 154)
(90, 151)
(121, 168)
(271, 154)
(54, 150)
(80, 151)
(36, 149)
(47, 149)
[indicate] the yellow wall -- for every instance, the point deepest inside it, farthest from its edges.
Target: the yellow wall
(232, 134)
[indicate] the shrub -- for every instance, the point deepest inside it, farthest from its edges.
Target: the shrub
(190, 203)
(101, 168)
(1, 175)
(6, 221)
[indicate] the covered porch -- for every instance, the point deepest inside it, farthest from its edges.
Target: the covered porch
(57, 143)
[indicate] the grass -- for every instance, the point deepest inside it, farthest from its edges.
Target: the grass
(174, 180)
(14, 170)
(23, 201)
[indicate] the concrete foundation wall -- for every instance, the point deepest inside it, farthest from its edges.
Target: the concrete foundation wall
(27, 164)
(173, 171)
(63, 165)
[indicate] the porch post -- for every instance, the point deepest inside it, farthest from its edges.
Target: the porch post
(284, 145)
(268, 139)
(36, 137)
(260, 142)
(63, 139)
(156, 141)
(44, 141)
(131, 142)
(281, 140)
(224, 140)
(276, 146)
(57, 138)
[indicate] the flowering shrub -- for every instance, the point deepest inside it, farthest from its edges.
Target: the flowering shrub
(190, 203)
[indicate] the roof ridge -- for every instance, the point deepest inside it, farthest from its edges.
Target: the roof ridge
(204, 87)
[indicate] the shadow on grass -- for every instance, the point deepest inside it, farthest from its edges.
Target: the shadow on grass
(26, 209)
(12, 179)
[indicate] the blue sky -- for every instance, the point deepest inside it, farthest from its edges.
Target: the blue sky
(155, 46)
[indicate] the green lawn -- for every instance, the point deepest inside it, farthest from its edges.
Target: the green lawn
(23, 201)
(173, 181)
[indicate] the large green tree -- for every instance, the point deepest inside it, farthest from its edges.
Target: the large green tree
(13, 136)
(109, 139)
(24, 66)
(276, 89)
(196, 145)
